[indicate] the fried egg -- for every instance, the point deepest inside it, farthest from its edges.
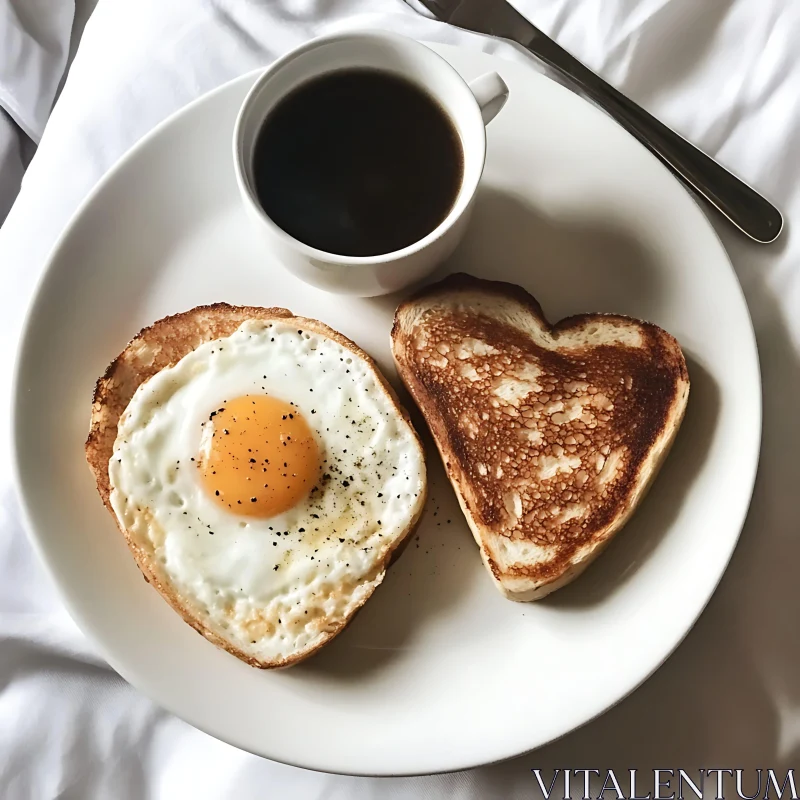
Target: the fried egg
(267, 477)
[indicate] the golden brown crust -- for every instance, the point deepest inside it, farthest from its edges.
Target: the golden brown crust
(161, 345)
(550, 434)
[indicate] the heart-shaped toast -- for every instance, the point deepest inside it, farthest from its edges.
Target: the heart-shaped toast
(550, 434)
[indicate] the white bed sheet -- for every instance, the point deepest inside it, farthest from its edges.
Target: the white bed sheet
(723, 72)
(38, 39)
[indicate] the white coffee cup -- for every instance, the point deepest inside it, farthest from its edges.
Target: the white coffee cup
(469, 106)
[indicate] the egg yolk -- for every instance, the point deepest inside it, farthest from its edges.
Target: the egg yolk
(261, 457)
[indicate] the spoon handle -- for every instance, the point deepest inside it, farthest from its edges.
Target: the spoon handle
(742, 205)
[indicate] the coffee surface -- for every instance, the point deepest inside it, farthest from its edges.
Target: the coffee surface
(358, 162)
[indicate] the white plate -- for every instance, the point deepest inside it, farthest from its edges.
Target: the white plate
(438, 672)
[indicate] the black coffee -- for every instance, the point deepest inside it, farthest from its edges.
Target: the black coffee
(358, 163)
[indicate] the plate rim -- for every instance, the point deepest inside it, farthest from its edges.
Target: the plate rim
(64, 593)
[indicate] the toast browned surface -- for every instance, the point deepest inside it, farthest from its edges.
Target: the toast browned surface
(550, 434)
(159, 346)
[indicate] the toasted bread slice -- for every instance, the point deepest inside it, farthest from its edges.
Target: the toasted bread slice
(162, 345)
(550, 434)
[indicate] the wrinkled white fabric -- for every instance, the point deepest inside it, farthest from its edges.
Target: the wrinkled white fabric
(37, 39)
(34, 46)
(12, 161)
(723, 72)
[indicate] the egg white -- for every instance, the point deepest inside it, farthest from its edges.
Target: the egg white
(272, 587)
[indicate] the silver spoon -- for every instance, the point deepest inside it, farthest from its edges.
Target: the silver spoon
(742, 205)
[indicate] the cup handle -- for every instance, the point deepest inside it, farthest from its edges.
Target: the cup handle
(491, 92)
